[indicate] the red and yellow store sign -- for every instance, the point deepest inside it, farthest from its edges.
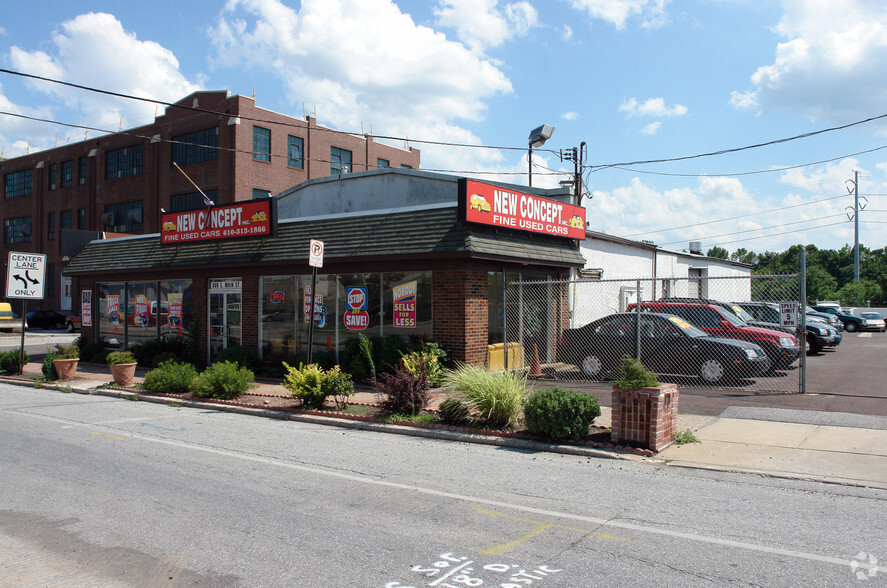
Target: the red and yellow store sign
(252, 218)
(499, 207)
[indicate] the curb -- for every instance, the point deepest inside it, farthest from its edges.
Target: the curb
(445, 433)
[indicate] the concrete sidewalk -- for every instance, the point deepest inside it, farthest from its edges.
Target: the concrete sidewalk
(840, 448)
(830, 447)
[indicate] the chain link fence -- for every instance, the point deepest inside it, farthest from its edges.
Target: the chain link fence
(701, 332)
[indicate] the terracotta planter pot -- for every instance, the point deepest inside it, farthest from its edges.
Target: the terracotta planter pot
(123, 373)
(65, 368)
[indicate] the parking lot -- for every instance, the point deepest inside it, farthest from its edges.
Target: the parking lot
(847, 378)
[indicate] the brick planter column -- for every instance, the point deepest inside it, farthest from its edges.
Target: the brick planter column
(646, 417)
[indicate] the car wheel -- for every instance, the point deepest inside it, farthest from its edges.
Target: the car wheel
(70, 327)
(592, 366)
(712, 370)
(851, 327)
(813, 347)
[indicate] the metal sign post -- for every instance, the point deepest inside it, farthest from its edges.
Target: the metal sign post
(315, 260)
(24, 280)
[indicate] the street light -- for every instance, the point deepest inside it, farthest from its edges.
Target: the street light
(538, 136)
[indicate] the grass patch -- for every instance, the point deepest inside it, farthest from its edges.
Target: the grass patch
(685, 436)
(413, 418)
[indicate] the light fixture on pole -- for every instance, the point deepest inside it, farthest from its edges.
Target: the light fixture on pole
(538, 136)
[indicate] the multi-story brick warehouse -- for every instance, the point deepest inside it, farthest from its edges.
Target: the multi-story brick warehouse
(120, 183)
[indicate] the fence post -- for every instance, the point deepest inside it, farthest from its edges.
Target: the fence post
(505, 317)
(637, 321)
(803, 317)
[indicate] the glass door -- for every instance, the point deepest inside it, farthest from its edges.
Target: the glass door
(225, 316)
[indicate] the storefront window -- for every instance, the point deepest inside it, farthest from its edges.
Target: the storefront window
(325, 314)
(177, 301)
(407, 304)
(278, 301)
(111, 307)
(142, 314)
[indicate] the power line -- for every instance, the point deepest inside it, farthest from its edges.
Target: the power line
(749, 173)
(252, 119)
(762, 228)
(736, 217)
(746, 148)
(777, 234)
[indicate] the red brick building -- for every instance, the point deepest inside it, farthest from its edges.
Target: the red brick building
(119, 183)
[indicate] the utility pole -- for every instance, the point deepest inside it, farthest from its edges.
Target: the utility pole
(856, 208)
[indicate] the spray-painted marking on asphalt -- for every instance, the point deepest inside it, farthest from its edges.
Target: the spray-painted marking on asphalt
(854, 565)
(539, 527)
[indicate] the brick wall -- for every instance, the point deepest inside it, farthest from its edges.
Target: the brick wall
(646, 417)
(460, 302)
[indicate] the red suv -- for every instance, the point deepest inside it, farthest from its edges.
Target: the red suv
(781, 348)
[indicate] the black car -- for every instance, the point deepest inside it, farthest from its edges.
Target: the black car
(45, 319)
(851, 323)
(669, 345)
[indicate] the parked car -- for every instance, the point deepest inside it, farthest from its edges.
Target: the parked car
(873, 321)
(72, 322)
(819, 333)
(782, 348)
(669, 345)
(851, 323)
(45, 319)
(9, 320)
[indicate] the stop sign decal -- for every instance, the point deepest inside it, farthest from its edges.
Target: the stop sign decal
(356, 317)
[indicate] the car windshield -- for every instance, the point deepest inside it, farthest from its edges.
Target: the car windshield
(688, 329)
(871, 315)
(734, 320)
(741, 313)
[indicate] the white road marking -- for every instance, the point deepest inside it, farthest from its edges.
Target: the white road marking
(487, 502)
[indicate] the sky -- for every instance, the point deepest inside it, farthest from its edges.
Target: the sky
(735, 123)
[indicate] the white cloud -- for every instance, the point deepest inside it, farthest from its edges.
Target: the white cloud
(566, 33)
(481, 24)
(617, 12)
(94, 50)
(570, 115)
(654, 107)
(651, 128)
(363, 61)
(830, 64)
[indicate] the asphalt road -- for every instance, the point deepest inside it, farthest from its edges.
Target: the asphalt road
(102, 491)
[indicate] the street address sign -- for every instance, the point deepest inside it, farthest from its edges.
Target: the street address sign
(26, 275)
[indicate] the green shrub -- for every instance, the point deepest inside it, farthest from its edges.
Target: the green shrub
(404, 391)
(241, 356)
(9, 361)
(183, 348)
(118, 357)
(455, 411)
(163, 357)
(560, 414)
(495, 399)
(311, 385)
(170, 377)
(48, 369)
(101, 357)
(634, 375)
(429, 359)
(224, 380)
(68, 351)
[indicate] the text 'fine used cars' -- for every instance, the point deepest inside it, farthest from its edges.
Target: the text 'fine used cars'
(668, 345)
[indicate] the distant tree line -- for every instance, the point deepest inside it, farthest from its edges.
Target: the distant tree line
(829, 272)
